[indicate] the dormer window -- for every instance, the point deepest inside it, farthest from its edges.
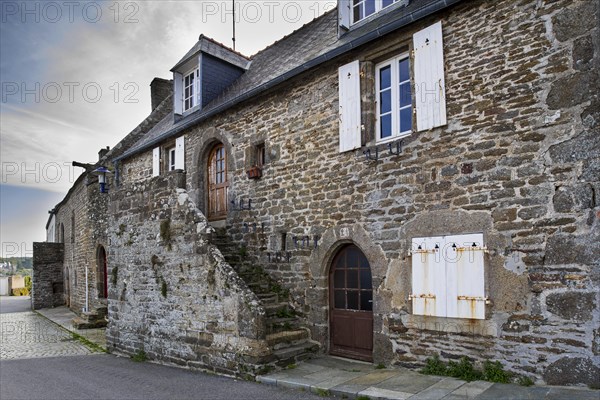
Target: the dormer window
(361, 9)
(189, 84)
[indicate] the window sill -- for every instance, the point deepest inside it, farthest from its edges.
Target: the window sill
(482, 327)
(393, 138)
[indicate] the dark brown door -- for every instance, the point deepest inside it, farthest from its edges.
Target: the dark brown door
(351, 305)
(217, 183)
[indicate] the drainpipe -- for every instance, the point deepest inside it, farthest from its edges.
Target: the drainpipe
(86, 289)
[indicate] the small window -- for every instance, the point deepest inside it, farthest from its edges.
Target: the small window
(361, 9)
(260, 155)
(189, 91)
(394, 98)
(171, 159)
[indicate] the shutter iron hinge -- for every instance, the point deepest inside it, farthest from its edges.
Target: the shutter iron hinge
(421, 296)
(474, 298)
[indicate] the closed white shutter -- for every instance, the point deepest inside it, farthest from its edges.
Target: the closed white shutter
(156, 161)
(428, 277)
(178, 93)
(465, 276)
(180, 153)
(198, 84)
(430, 86)
(344, 14)
(349, 117)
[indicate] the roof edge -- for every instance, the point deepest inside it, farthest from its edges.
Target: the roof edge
(414, 16)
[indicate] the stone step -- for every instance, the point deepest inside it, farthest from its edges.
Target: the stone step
(275, 324)
(81, 323)
(293, 354)
(268, 298)
(288, 338)
(274, 309)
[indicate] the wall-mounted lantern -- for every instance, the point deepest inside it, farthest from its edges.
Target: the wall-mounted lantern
(101, 172)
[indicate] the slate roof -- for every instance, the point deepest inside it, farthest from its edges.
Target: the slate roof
(311, 45)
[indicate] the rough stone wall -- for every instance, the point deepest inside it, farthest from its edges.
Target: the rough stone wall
(47, 277)
(517, 161)
(172, 295)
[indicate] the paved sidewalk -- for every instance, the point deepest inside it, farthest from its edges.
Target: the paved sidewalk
(63, 316)
(349, 379)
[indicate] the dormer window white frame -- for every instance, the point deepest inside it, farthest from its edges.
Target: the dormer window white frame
(190, 89)
(361, 9)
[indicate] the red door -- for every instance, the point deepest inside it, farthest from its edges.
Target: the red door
(351, 305)
(217, 183)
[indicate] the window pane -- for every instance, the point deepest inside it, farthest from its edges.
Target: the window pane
(406, 119)
(352, 276)
(365, 279)
(357, 14)
(405, 96)
(386, 126)
(352, 300)
(403, 68)
(385, 100)
(386, 3)
(364, 263)
(340, 299)
(339, 279)
(352, 255)
(369, 7)
(366, 302)
(385, 76)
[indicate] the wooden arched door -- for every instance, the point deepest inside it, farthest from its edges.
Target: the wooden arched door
(217, 183)
(351, 305)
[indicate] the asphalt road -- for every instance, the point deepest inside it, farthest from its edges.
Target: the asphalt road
(12, 304)
(110, 377)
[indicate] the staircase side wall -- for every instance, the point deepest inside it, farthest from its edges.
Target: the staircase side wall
(47, 284)
(171, 293)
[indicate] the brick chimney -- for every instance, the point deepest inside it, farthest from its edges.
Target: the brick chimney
(160, 89)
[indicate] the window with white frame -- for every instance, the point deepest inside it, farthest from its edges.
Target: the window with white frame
(189, 90)
(361, 9)
(394, 98)
(171, 166)
(448, 276)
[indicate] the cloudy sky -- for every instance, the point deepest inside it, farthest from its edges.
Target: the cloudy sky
(75, 78)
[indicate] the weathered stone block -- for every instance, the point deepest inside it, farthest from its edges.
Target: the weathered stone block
(572, 371)
(572, 305)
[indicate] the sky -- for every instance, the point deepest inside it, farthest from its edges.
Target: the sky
(76, 76)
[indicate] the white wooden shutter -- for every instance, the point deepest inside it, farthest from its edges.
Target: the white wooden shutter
(178, 93)
(156, 161)
(180, 153)
(428, 277)
(349, 117)
(465, 276)
(430, 86)
(344, 14)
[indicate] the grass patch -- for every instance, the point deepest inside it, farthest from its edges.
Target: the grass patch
(380, 366)
(291, 366)
(493, 371)
(88, 343)
(525, 381)
(139, 356)
(322, 392)
(363, 397)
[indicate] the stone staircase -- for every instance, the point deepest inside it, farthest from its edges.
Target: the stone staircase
(92, 319)
(286, 336)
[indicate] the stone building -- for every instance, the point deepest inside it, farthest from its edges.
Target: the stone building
(394, 180)
(70, 268)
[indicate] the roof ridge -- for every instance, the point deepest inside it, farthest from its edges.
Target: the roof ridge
(203, 36)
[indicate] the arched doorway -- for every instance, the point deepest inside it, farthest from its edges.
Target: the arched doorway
(351, 305)
(102, 273)
(217, 183)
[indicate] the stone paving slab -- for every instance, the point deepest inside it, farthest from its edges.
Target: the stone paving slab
(29, 335)
(64, 317)
(383, 394)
